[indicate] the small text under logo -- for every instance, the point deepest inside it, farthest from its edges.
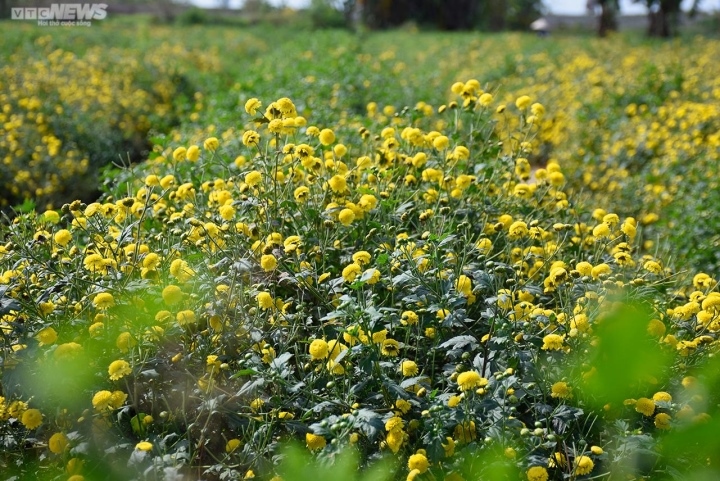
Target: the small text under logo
(62, 14)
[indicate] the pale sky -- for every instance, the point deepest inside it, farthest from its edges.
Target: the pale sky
(563, 7)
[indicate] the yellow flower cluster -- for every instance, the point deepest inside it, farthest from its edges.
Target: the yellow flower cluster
(59, 112)
(383, 281)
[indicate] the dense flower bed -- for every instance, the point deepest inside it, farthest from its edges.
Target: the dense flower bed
(66, 115)
(405, 284)
(626, 118)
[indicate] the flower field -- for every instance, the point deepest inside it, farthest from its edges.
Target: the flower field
(453, 256)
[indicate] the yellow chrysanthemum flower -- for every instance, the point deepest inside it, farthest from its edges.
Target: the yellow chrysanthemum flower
(553, 342)
(470, 380)
(409, 368)
(253, 178)
(252, 105)
(418, 462)
(172, 295)
(314, 442)
(232, 445)
(119, 369)
(318, 349)
(268, 262)
(537, 473)
(338, 184)
(265, 300)
(351, 271)
(583, 465)
(47, 336)
(57, 443)
(103, 300)
(645, 406)
(523, 102)
(31, 418)
(561, 390)
(326, 136)
(144, 446)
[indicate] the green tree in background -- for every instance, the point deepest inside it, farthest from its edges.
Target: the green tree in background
(664, 16)
(608, 15)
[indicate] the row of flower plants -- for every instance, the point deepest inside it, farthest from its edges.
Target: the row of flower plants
(625, 118)
(409, 289)
(68, 112)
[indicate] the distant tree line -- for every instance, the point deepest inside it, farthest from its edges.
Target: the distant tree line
(441, 14)
(663, 15)
(494, 15)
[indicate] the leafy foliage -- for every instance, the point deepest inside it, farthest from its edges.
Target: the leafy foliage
(442, 288)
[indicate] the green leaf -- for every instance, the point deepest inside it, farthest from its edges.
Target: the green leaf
(137, 424)
(244, 372)
(382, 259)
(27, 206)
(298, 464)
(627, 361)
